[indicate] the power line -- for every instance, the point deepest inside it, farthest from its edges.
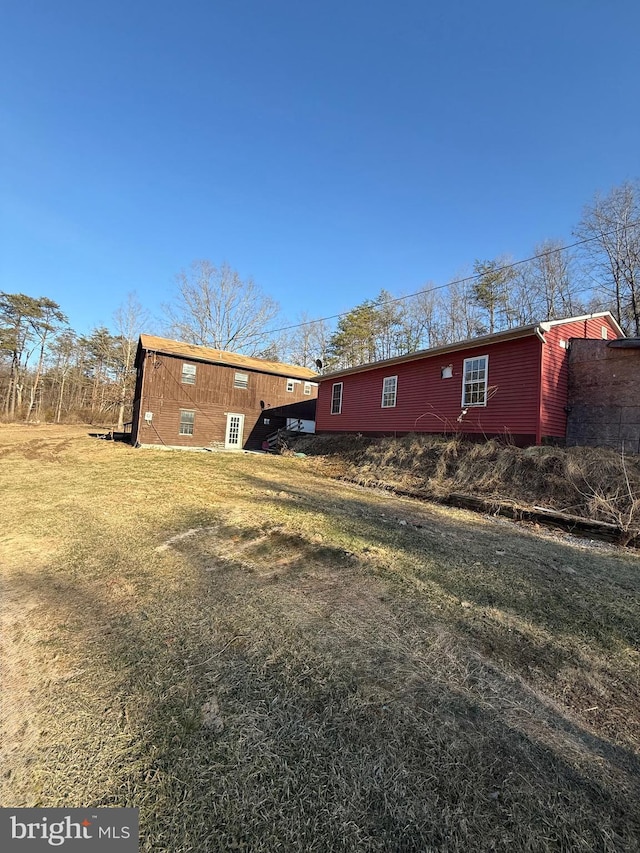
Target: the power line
(464, 280)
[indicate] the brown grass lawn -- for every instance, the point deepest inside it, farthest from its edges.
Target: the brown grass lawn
(263, 659)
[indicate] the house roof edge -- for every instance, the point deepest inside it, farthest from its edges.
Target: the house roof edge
(209, 355)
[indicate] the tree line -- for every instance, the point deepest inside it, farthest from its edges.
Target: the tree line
(600, 272)
(49, 372)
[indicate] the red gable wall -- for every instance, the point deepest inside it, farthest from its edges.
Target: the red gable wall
(555, 367)
(427, 403)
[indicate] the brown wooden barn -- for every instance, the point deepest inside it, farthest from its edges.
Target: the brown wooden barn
(193, 396)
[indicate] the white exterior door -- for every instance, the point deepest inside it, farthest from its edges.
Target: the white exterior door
(235, 428)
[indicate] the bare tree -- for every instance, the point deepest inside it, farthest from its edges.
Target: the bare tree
(64, 351)
(553, 282)
(214, 307)
(611, 223)
(461, 316)
(129, 320)
(546, 287)
(523, 305)
(48, 320)
(308, 342)
(422, 321)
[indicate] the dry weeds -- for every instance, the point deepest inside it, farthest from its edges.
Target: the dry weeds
(593, 483)
(314, 666)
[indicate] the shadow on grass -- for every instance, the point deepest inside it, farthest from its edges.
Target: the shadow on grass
(593, 596)
(235, 720)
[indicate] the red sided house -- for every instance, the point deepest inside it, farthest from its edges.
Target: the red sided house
(192, 396)
(512, 383)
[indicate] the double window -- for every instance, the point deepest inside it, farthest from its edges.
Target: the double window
(389, 389)
(188, 374)
(336, 398)
(187, 419)
(474, 381)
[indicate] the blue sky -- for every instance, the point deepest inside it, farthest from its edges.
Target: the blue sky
(328, 150)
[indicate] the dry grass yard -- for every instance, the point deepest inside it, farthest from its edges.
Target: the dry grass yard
(261, 658)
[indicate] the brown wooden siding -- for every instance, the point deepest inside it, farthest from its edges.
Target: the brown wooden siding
(211, 397)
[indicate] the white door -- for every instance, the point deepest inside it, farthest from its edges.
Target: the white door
(235, 428)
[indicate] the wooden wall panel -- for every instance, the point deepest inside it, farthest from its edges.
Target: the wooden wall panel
(211, 397)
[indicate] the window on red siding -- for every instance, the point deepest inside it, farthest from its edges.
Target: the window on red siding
(474, 381)
(336, 398)
(389, 387)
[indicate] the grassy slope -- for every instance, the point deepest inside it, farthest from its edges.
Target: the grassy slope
(315, 667)
(591, 482)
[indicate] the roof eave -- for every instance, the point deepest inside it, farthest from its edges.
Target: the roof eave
(594, 316)
(151, 343)
(470, 343)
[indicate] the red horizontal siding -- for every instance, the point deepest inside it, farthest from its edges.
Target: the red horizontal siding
(555, 370)
(427, 403)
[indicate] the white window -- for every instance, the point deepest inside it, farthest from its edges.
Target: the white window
(474, 381)
(604, 333)
(291, 385)
(188, 374)
(336, 399)
(187, 419)
(389, 387)
(307, 388)
(241, 380)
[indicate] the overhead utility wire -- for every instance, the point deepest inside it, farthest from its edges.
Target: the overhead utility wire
(468, 278)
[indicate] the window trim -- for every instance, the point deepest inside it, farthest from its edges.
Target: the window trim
(466, 405)
(333, 397)
(192, 376)
(385, 393)
(235, 380)
(191, 424)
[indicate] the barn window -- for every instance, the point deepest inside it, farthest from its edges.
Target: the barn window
(336, 398)
(291, 384)
(188, 374)
(389, 387)
(474, 382)
(604, 332)
(241, 380)
(307, 388)
(187, 419)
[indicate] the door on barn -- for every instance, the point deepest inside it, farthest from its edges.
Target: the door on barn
(233, 435)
